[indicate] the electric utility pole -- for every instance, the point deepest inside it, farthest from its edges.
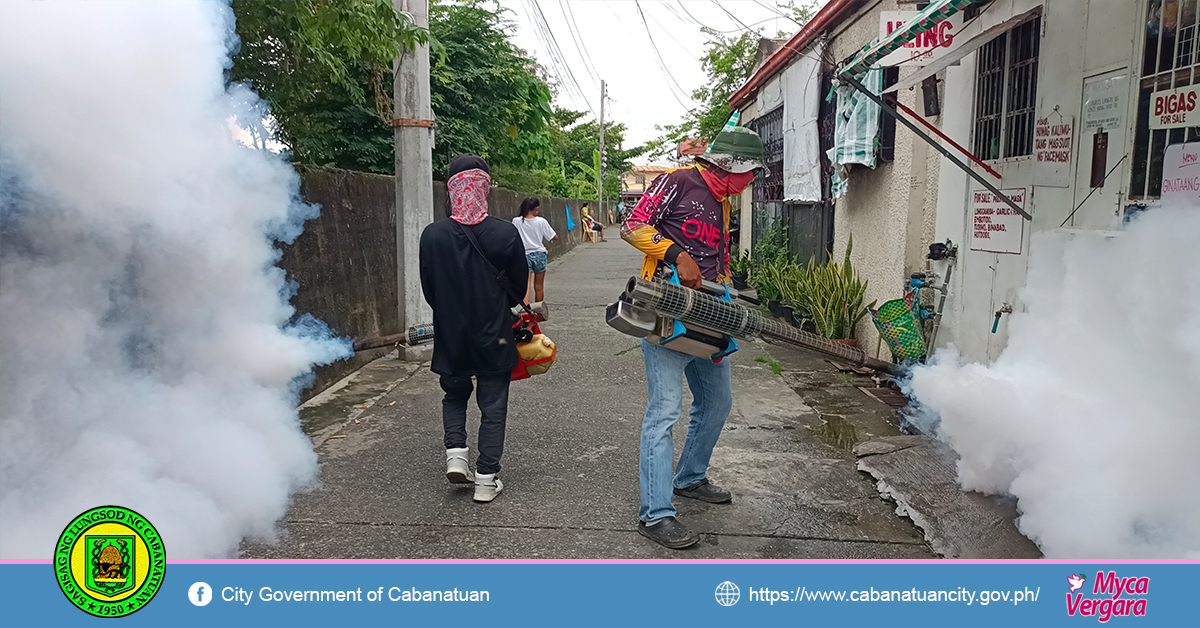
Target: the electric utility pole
(413, 124)
(600, 165)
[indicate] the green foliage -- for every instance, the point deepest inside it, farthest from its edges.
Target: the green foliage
(741, 263)
(771, 362)
(485, 91)
(727, 61)
(325, 69)
(830, 295)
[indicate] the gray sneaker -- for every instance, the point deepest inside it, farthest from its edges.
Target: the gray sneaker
(705, 491)
(669, 533)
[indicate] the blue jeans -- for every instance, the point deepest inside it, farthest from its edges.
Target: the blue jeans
(536, 261)
(492, 398)
(712, 399)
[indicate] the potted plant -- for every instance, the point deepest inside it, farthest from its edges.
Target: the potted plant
(832, 296)
(766, 283)
(740, 271)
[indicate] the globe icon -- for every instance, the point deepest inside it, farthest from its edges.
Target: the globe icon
(728, 593)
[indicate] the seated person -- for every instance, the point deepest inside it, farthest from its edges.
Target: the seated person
(589, 223)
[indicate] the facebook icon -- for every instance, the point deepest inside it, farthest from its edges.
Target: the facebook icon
(200, 594)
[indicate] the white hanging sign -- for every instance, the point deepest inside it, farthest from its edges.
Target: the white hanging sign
(996, 227)
(927, 46)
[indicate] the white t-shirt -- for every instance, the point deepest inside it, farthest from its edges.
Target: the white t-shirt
(532, 231)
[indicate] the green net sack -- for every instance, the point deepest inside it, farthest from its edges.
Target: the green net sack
(898, 322)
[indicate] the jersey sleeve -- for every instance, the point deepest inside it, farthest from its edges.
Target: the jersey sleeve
(640, 229)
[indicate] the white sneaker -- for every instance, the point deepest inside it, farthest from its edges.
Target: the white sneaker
(457, 470)
(487, 487)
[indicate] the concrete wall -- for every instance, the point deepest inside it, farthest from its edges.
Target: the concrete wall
(344, 263)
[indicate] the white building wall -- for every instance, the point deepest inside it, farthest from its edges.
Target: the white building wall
(1082, 40)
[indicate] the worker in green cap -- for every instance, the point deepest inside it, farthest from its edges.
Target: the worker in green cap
(682, 221)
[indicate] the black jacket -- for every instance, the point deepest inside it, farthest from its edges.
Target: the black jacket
(472, 316)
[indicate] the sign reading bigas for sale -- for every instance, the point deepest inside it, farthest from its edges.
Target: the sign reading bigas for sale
(1174, 108)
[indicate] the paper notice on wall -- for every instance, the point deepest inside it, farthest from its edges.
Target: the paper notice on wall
(1102, 103)
(1053, 146)
(1181, 175)
(996, 227)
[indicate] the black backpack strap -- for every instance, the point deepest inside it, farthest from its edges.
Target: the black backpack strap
(501, 276)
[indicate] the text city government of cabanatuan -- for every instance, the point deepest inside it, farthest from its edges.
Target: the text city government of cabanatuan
(394, 594)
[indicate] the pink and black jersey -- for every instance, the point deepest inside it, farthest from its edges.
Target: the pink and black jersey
(680, 213)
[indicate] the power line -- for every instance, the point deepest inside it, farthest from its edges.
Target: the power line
(578, 40)
(733, 17)
(776, 11)
(668, 32)
(555, 52)
(662, 64)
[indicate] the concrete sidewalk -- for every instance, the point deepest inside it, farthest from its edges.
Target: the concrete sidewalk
(571, 457)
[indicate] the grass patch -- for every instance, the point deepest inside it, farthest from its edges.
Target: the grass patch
(770, 361)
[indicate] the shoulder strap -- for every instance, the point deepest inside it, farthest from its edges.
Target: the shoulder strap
(501, 276)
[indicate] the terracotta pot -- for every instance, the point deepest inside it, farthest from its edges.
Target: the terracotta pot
(847, 341)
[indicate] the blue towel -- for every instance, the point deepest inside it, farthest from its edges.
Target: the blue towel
(570, 221)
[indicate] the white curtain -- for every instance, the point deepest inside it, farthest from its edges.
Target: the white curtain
(801, 146)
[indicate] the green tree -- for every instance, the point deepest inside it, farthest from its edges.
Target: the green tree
(325, 69)
(486, 93)
(727, 62)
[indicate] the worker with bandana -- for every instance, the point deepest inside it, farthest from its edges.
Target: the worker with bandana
(683, 221)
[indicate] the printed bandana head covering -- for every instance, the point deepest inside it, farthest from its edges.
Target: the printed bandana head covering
(468, 196)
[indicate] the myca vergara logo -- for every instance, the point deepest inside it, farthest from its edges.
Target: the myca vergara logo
(110, 561)
(1112, 596)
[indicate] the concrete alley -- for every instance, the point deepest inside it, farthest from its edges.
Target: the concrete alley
(571, 458)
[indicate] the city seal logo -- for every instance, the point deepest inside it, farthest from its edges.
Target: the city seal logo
(110, 561)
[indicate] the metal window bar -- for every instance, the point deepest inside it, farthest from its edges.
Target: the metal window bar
(1024, 45)
(989, 98)
(769, 126)
(1169, 60)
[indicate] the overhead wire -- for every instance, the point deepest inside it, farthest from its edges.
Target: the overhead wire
(662, 64)
(580, 46)
(776, 11)
(555, 52)
(732, 17)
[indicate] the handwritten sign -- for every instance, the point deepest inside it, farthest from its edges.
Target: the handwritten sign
(1181, 175)
(927, 46)
(1052, 141)
(996, 227)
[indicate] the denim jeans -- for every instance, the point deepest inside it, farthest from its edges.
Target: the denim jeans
(492, 398)
(712, 399)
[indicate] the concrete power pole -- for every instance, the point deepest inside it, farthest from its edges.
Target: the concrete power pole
(600, 166)
(413, 124)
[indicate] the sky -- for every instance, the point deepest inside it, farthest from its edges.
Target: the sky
(608, 39)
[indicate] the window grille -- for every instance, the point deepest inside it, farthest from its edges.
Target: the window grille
(1006, 92)
(1169, 60)
(769, 127)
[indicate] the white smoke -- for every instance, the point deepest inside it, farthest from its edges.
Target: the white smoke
(148, 359)
(1090, 415)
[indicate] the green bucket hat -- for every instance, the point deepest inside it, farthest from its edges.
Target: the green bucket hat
(736, 149)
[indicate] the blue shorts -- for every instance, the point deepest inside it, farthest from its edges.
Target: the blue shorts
(536, 261)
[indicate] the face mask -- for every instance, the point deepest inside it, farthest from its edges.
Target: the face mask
(730, 185)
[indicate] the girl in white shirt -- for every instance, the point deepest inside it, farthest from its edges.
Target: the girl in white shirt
(533, 230)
